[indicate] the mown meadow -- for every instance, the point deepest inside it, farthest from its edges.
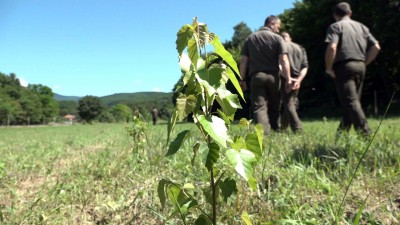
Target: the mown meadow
(97, 174)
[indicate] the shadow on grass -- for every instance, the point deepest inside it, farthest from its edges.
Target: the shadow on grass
(320, 156)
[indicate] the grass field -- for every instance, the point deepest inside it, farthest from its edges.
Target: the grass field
(94, 174)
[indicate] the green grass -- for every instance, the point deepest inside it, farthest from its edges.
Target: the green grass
(93, 175)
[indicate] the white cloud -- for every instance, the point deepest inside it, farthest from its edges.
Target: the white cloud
(23, 82)
(156, 90)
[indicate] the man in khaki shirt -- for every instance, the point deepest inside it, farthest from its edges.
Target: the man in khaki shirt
(351, 47)
(298, 70)
(261, 56)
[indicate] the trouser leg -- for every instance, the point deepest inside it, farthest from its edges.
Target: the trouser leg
(349, 79)
(263, 88)
(285, 121)
(274, 102)
(291, 100)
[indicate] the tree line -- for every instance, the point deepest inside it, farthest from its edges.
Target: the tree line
(35, 104)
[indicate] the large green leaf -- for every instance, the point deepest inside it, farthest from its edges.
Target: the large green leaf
(215, 127)
(212, 156)
(177, 143)
(210, 90)
(243, 161)
(193, 51)
(185, 105)
(232, 66)
(185, 63)
(228, 188)
(253, 144)
(232, 77)
(161, 191)
(213, 75)
(183, 37)
(220, 50)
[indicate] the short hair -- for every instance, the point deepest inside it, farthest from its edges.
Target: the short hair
(271, 19)
(342, 9)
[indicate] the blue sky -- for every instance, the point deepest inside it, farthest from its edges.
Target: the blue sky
(102, 47)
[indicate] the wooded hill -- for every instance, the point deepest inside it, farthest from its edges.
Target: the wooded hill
(125, 98)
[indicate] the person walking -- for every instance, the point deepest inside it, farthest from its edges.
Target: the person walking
(351, 47)
(261, 55)
(154, 115)
(298, 70)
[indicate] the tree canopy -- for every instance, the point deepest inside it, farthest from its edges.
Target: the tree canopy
(25, 105)
(89, 108)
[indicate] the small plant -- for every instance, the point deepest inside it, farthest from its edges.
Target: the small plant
(138, 131)
(204, 84)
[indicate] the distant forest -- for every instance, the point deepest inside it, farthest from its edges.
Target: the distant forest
(37, 104)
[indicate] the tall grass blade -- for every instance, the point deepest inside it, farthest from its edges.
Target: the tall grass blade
(359, 213)
(361, 159)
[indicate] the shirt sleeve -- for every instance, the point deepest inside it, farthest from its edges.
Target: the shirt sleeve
(282, 46)
(332, 35)
(304, 62)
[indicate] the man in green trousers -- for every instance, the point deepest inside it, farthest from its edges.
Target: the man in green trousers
(261, 56)
(298, 70)
(351, 47)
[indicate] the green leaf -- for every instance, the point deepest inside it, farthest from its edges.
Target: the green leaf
(193, 51)
(183, 37)
(210, 90)
(243, 161)
(203, 220)
(224, 117)
(185, 63)
(212, 75)
(246, 218)
(228, 188)
(359, 213)
(212, 156)
(171, 124)
(177, 143)
(161, 191)
(232, 66)
(252, 183)
(228, 102)
(238, 143)
(243, 122)
(253, 144)
(260, 134)
(185, 105)
(215, 127)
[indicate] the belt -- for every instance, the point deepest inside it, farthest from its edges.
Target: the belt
(346, 61)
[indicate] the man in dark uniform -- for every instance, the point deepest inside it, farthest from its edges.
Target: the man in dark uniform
(154, 115)
(298, 70)
(351, 47)
(261, 56)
